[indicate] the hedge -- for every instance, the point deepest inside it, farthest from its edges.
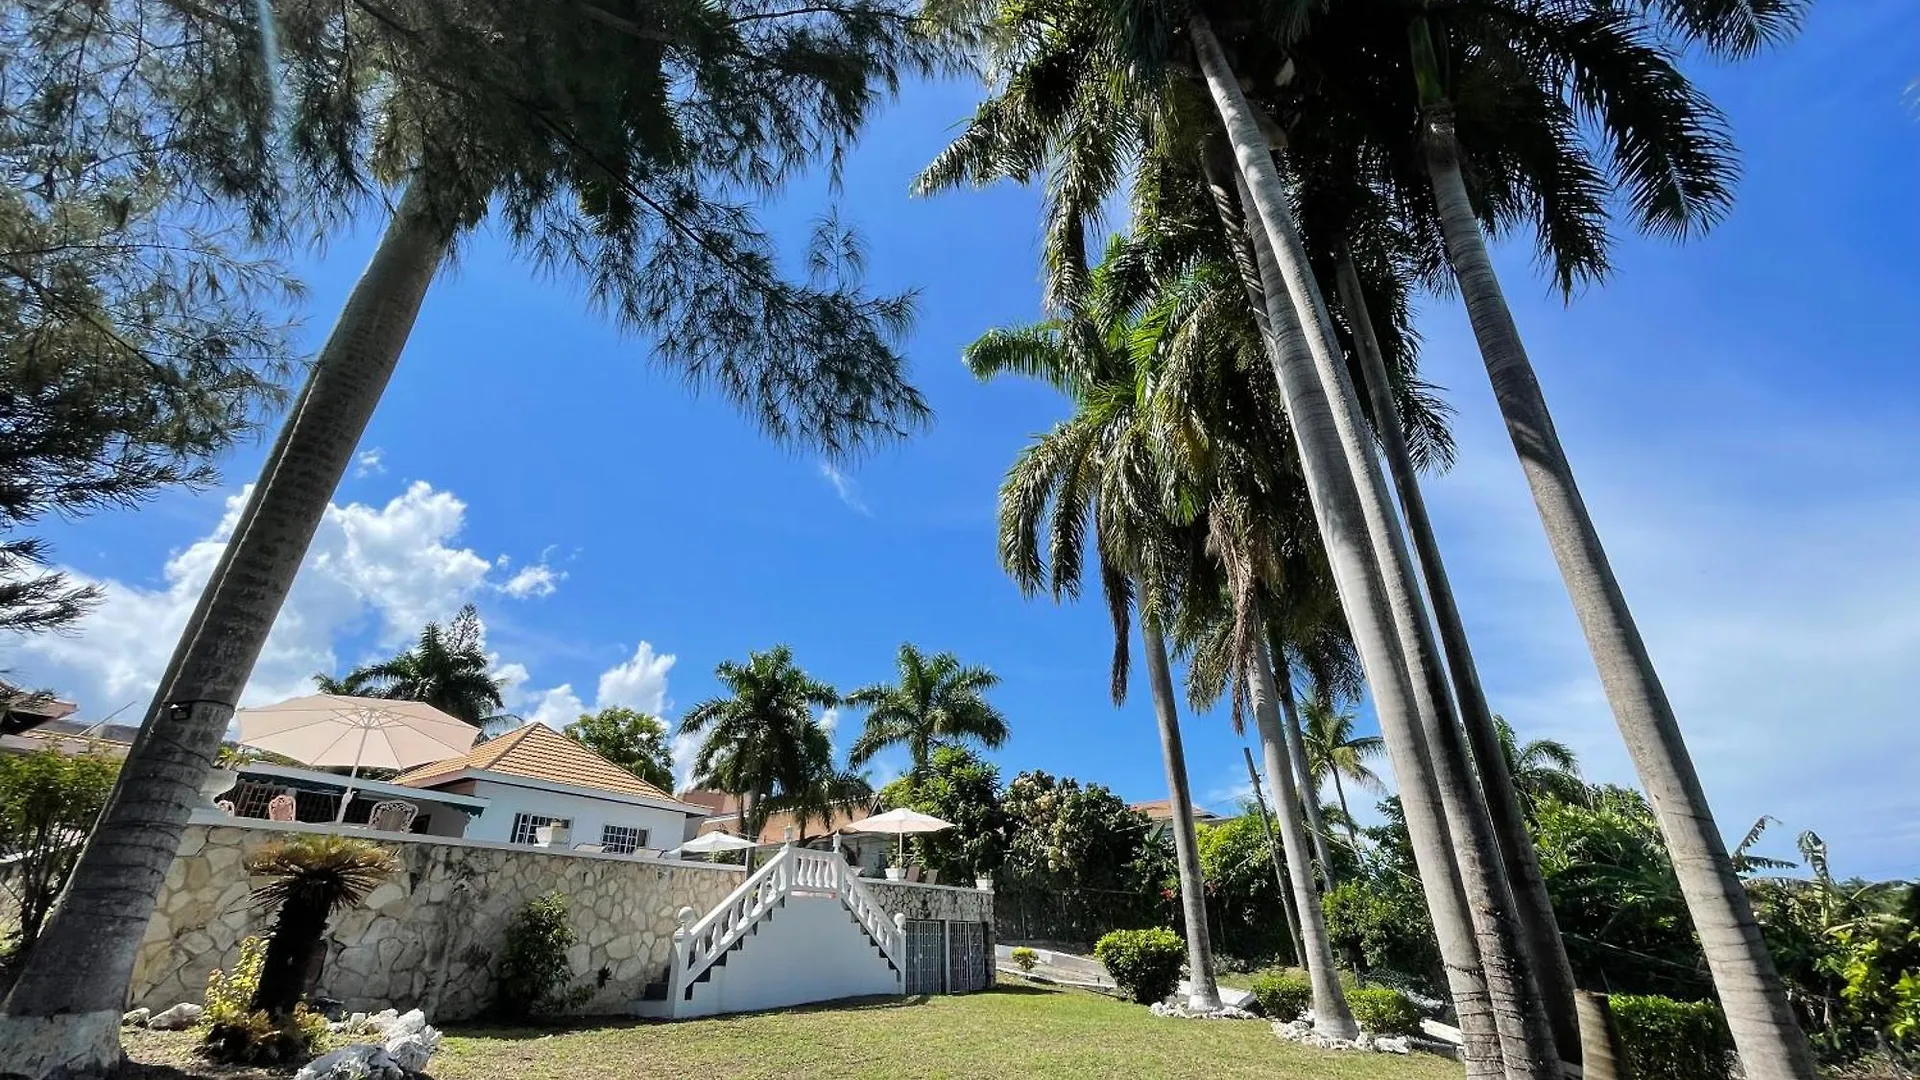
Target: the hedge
(1664, 1039)
(1145, 964)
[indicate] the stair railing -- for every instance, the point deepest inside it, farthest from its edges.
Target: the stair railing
(698, 944)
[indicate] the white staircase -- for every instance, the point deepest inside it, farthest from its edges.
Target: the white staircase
(802, 928)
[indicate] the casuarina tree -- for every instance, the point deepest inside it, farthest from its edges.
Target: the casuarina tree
(617, 143)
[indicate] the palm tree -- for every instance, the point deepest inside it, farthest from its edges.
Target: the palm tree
(1532, 112)
(937, 702)
(448, 668)
(763, 743)
(308, 878)
(591, 166)
(1541, 768)
(1334, 751)
(1100, 467)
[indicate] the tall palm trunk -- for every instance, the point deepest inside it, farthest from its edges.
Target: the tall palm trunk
(1343, 530)
(1204, 994)
(1770, 1044)
(1353, 828)
(62, 1017)
(1422, 717)
(1331, 1017)
(1548, 954)
(1303, 774)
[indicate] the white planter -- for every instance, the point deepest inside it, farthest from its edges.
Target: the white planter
(553, 835)
(896, 873)
(984, 884)
(216, 783)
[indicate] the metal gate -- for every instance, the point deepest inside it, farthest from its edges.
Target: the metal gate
(926, 957)
(967, 960)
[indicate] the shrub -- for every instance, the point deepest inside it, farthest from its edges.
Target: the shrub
(534, 971)
(1666, 1039)
(1145, 964)
(1380, 1010)
(239, 1033)
(1283, 995)
(1024, 958)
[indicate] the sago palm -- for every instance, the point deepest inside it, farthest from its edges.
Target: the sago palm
(937, 702)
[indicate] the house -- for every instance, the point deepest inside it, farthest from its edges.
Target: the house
(21, 711)
(869, 853)
(1160, 811)
(67, 736)
(535, 776)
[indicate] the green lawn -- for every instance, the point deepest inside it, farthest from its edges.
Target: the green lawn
(1018, 1030)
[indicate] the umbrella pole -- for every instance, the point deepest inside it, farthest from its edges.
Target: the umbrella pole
(352, 774)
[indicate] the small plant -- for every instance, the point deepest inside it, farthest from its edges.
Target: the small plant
(1024, 958)
(1381, 1010)
(309, 879)
(239, 1033)
(1145, 964)
(1283, 995)
(534, 970)
(1666, 1039)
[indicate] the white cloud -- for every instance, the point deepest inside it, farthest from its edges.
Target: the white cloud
(830, 719)
(685, 749)
(538, 580)
(369, 462)
(844, 487)
(557, 707)
(393, 565)
(639, 683)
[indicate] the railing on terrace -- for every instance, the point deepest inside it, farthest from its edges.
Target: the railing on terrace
(794, 871)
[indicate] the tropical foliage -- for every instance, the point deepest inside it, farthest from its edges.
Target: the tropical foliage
(447, 668)
(765, 744)
(937, 702)
(630, 739)
(957, 787)
(48, 801)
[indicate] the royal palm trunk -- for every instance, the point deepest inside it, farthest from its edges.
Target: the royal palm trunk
(1331, 1016)
(1204, 993)
(62, 1017)
(1770, 1043)
(1303, 774)
(1547, 953)
(1343, 531)
(1420, 714)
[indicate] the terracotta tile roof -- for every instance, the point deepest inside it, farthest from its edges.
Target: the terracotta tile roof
(775, 830)
(537, 752)
(1162, 810)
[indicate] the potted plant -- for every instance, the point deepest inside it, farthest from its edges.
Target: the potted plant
(983, 882)
(555, 835)
(896, 873)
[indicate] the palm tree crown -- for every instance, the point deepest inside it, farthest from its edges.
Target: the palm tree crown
(1541, 768)
(937, 702)
(447, 668)
(763, 744)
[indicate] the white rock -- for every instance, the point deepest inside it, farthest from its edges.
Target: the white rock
(410, 1023)
(1398, 1045)
(178, 1018)
(411, 1050)
(136, 1018)
(359, 1062)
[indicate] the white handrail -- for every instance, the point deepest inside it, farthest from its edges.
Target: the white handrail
(697, 947)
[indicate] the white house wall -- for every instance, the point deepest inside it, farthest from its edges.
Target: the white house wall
(664, 827)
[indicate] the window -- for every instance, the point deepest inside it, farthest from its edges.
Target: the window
(622, 839)
(525, 824)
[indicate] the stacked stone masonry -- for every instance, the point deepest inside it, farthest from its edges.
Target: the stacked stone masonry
(428, 938)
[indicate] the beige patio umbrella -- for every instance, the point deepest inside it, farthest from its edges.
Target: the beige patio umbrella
(899, 822)
(714, 842)
(335, 729)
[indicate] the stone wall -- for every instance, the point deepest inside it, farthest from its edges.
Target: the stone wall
(428, 938)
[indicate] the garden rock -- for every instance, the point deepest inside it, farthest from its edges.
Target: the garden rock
(1224, 1012)
(179, 1018)
(1393, 1045)
(136, 1018)
(352, 1063)
(410, 1050)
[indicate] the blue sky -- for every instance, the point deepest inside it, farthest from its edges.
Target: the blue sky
(1743, 410)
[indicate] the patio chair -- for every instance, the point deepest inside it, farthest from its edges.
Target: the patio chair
(913, 875)
(933, 876)
(281, 807)
(392, 815)
(225, 806)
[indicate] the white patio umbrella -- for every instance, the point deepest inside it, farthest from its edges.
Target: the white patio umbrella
(898, 822)
(713, 842)
(334, 729)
